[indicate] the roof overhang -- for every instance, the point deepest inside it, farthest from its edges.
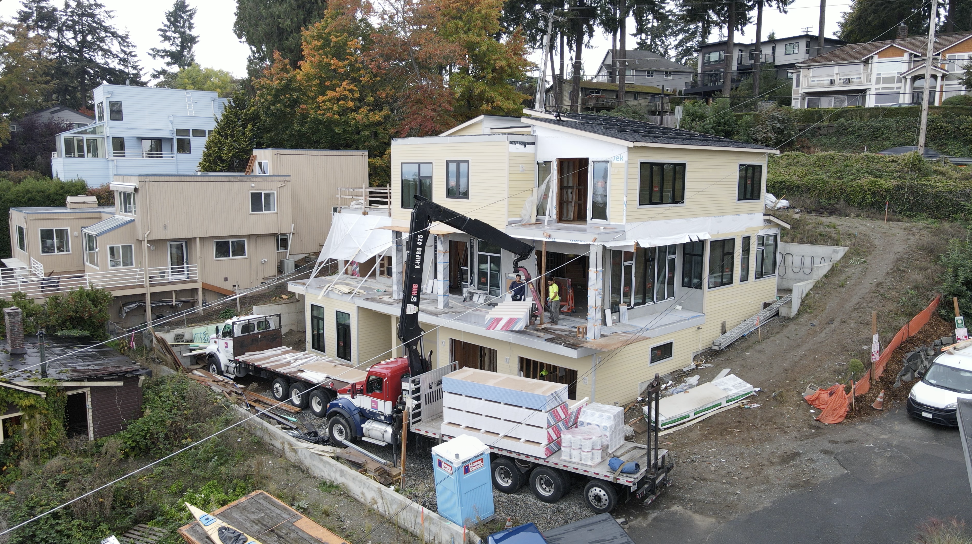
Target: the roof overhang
(124, 187)
(898, 45)
(921, 68)
(779, 222)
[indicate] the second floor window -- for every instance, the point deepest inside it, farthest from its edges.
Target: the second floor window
(750, 181)
(100, 112)
(90, 249)
(263, 201)
(791, 48)
(713, 57)
(183, 145)
(650, 73)
(721, 262)
(661, 183)
(230, 249)
(668, 75)
(744, 259)
(126, 202)
(21, 238)
(121, 256)
(115, 111)
(118, 147)
(182, 132)
(55, 241)
(457, 179)
(198, 133)
(416, 180)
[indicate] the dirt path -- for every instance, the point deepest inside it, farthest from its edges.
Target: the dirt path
(741, 460)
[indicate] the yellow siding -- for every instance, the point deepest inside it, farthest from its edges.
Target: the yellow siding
(620, 372)
(474, 128)
(373, 344)
(315, 177)
(616, 192)
(711, 183)
(488, 177)
(891, 53)
(522, 181)
(964, 46)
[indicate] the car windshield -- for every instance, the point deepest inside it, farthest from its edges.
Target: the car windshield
(949, 377)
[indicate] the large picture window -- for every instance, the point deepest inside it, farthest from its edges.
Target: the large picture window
(744, 259)
(55, 241)
(692, 255)
(317, 327)
(230, 249)
(457, 179)
(263, 201)
(750, 181)
(642, 276)
(343, 324)
(765, 255)
(121, 256)
(661, 183)
(721, 262)
(21, 238)
(416, 180)
(90, 249)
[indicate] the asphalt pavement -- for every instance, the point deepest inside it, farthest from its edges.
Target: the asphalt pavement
(900, 473)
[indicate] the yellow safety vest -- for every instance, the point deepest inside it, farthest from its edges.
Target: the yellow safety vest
(554, 292)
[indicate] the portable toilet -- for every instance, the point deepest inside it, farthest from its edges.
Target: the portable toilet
(463, 485)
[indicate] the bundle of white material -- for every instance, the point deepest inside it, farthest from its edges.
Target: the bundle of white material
(582, 445)
(609, 420)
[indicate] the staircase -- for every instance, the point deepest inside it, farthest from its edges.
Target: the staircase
(750, 324)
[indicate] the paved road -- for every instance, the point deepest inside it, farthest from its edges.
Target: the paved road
(900, 473)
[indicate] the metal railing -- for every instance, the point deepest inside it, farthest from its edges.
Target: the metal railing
(35, 286)
(142, 155)
(36, 268)
(365, 197)
(841, 80)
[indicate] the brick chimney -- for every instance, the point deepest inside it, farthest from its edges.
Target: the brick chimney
(14, 319)
(902, 31)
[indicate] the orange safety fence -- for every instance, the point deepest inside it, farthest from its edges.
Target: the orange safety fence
(834, 406)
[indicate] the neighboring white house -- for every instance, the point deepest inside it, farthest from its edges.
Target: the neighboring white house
(885, 73)
(138, 130)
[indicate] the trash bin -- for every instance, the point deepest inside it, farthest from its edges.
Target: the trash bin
(463, 486)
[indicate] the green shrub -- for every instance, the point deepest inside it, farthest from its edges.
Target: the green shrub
(958, 100)
(957, 278)
(82, 313)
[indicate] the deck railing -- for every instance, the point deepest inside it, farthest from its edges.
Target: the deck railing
(35, 286)
(365, 197)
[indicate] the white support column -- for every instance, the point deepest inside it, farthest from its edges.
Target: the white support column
(398, 257)
(594, 362)
(442, 271)
(595, 285)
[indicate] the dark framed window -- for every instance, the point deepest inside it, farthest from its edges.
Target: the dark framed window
(416, 180)
(661, 183)
(263, 201)
(283, 242)
(317, 327)
(744, 259)
(115, 111)
(642, 276)
(750, 181)
(118, 147)
(721, 262)
(99, 112)
(229, 249)
(692, 255)
(198, 133)
(457, 179)
(183, 145)
(661, 352)
(343, 323)
(21, 238)
(182, 132)
(765, 255)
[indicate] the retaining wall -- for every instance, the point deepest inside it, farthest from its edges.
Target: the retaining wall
(291, 314)
(408, 515)
(799, 266)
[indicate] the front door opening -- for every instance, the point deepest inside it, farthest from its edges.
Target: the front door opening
(76, 414)
(178, 260)
(472, 356)
(572, 190)
(458, 266)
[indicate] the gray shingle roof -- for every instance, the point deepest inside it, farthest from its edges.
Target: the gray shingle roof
(646, 60)
(630, 130)
(856, 52)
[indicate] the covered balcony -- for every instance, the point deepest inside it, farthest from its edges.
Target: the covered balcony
(36, 285)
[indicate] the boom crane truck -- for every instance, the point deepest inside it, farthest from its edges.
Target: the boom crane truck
(372, 409)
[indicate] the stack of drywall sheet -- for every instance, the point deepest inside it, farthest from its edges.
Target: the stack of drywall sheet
(509, 316)
(608, 420)
(700, 400)
(507, 412)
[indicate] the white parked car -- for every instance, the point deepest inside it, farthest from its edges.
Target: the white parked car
(935, 397)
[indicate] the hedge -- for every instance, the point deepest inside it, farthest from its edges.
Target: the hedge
(912, 187)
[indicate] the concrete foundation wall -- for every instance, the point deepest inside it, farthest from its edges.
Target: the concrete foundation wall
(800, 267)
(406, 514)
(291, 314)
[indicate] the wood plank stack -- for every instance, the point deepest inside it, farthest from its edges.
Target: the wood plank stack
(507, 412)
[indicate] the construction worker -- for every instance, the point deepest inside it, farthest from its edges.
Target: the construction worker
(518, 288)
(554, 299)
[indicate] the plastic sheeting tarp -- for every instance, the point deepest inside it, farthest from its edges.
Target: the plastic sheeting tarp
(831, 402)
(524, 534)
(356, 237)
(681, 231)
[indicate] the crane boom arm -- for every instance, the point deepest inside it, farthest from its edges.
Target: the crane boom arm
(424, 214)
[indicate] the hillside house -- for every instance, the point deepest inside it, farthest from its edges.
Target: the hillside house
(177, 240)
(644, 68)
(884, 73)
(656, 236)
(138, 130)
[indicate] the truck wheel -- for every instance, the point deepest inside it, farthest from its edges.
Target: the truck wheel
(297, 396)
(601, 497)
(213, 365)
(318, 401)
(338, 429)
(547, 484)
(506, 477)
(280, 390)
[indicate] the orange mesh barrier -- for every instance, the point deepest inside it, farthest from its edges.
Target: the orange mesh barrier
(910, 329)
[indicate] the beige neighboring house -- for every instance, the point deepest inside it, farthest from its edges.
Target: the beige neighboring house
(174, 241)
(658, 236)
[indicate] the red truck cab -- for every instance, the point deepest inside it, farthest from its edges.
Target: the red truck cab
(381, 389)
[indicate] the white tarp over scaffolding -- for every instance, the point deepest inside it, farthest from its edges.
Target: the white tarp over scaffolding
(356, 237)
(681, 231)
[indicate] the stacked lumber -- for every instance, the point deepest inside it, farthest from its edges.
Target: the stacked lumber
(507, 412)
(266, 407)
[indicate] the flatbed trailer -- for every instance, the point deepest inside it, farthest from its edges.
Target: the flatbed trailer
(511, 470)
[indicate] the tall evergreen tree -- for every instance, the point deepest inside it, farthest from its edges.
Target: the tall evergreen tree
(176, 34)
(275, 25)
(39, 16)
(878, 19)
